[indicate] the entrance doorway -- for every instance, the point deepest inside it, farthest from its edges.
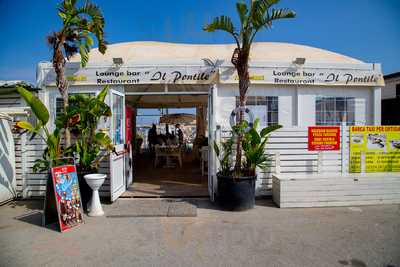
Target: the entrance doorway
(170, 143)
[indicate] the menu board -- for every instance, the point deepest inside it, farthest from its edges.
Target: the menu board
(67, 196)
(322, 138)
(381, 145)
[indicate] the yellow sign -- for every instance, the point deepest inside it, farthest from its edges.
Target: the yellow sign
(253, 77)
(381, 145)
(77, 78)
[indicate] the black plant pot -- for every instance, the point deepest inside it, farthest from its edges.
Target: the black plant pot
(86, 191)
(236, 194)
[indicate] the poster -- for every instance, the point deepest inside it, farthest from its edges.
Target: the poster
(68, 197)
(322, 138)
(381, 145)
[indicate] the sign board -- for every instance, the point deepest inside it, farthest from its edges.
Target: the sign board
(381, 145)
(322, 138)
(131, 75)
(135, 75)
(67, 196)
(306, 76)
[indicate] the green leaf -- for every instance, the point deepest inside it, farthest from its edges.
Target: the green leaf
(222, 23)
(255, 137)
(36, 130)
(216, 149)
(84, 55)
(269, 129)
(25, 125)
(256, 123)
(242, 10)
(62, 15)
(102, 95)
(282, 13)
(104, 140)
(37, 106)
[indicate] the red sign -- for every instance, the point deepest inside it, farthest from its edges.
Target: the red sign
(67, 196)
(323, 138)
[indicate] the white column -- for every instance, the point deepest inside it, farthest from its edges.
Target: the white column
(212, 135)
(296, 109)
(344, 147)
(376, 102)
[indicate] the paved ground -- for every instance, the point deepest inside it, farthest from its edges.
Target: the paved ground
(168, 182)
(265, 236)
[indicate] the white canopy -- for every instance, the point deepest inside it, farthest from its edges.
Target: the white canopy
(262, 51)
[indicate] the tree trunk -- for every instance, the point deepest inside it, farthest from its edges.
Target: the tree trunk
(242, 68)
(61, 82)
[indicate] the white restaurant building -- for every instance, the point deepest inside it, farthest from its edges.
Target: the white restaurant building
(293, 85)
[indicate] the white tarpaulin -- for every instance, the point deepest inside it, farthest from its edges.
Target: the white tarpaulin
(306, 76)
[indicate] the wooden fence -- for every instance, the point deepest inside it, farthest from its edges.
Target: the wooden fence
(288, 149)
(30, 184)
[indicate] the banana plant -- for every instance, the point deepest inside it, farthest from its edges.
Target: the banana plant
(224, 154)
(254, 17)
(83, 115)
(253, 145)
(53, 152)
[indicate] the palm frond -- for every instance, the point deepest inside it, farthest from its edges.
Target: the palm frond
(80, 26)
(282, 13)
(242, 11)
(258, 11)
(222, 23)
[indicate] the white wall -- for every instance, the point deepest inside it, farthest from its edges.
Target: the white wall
(389, 90)
(297, 103)
(226, 101)
(363, 102)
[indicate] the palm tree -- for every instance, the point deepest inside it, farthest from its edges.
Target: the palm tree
(80, 25)
(253, 18)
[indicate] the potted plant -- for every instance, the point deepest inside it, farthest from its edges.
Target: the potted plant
(90, 144)
(253, 18)
(238, 193)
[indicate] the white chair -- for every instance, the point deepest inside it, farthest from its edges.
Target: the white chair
(204, 159)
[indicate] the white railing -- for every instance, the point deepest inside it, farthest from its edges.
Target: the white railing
(288, 149)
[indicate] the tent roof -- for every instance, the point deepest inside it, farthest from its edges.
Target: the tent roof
(262, 51)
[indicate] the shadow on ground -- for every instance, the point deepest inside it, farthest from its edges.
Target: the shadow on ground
(205, 203)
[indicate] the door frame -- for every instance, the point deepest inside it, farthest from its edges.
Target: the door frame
(212, 136)
(212, 132)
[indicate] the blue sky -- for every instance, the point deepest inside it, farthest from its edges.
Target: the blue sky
(364, 29)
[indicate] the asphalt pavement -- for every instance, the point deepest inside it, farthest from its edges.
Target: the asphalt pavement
(264, 236)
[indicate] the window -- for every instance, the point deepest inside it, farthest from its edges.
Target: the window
(60, 103)
(263, 107)
(398, 90)
(117, 111)
(59, 106)
(332, 110)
